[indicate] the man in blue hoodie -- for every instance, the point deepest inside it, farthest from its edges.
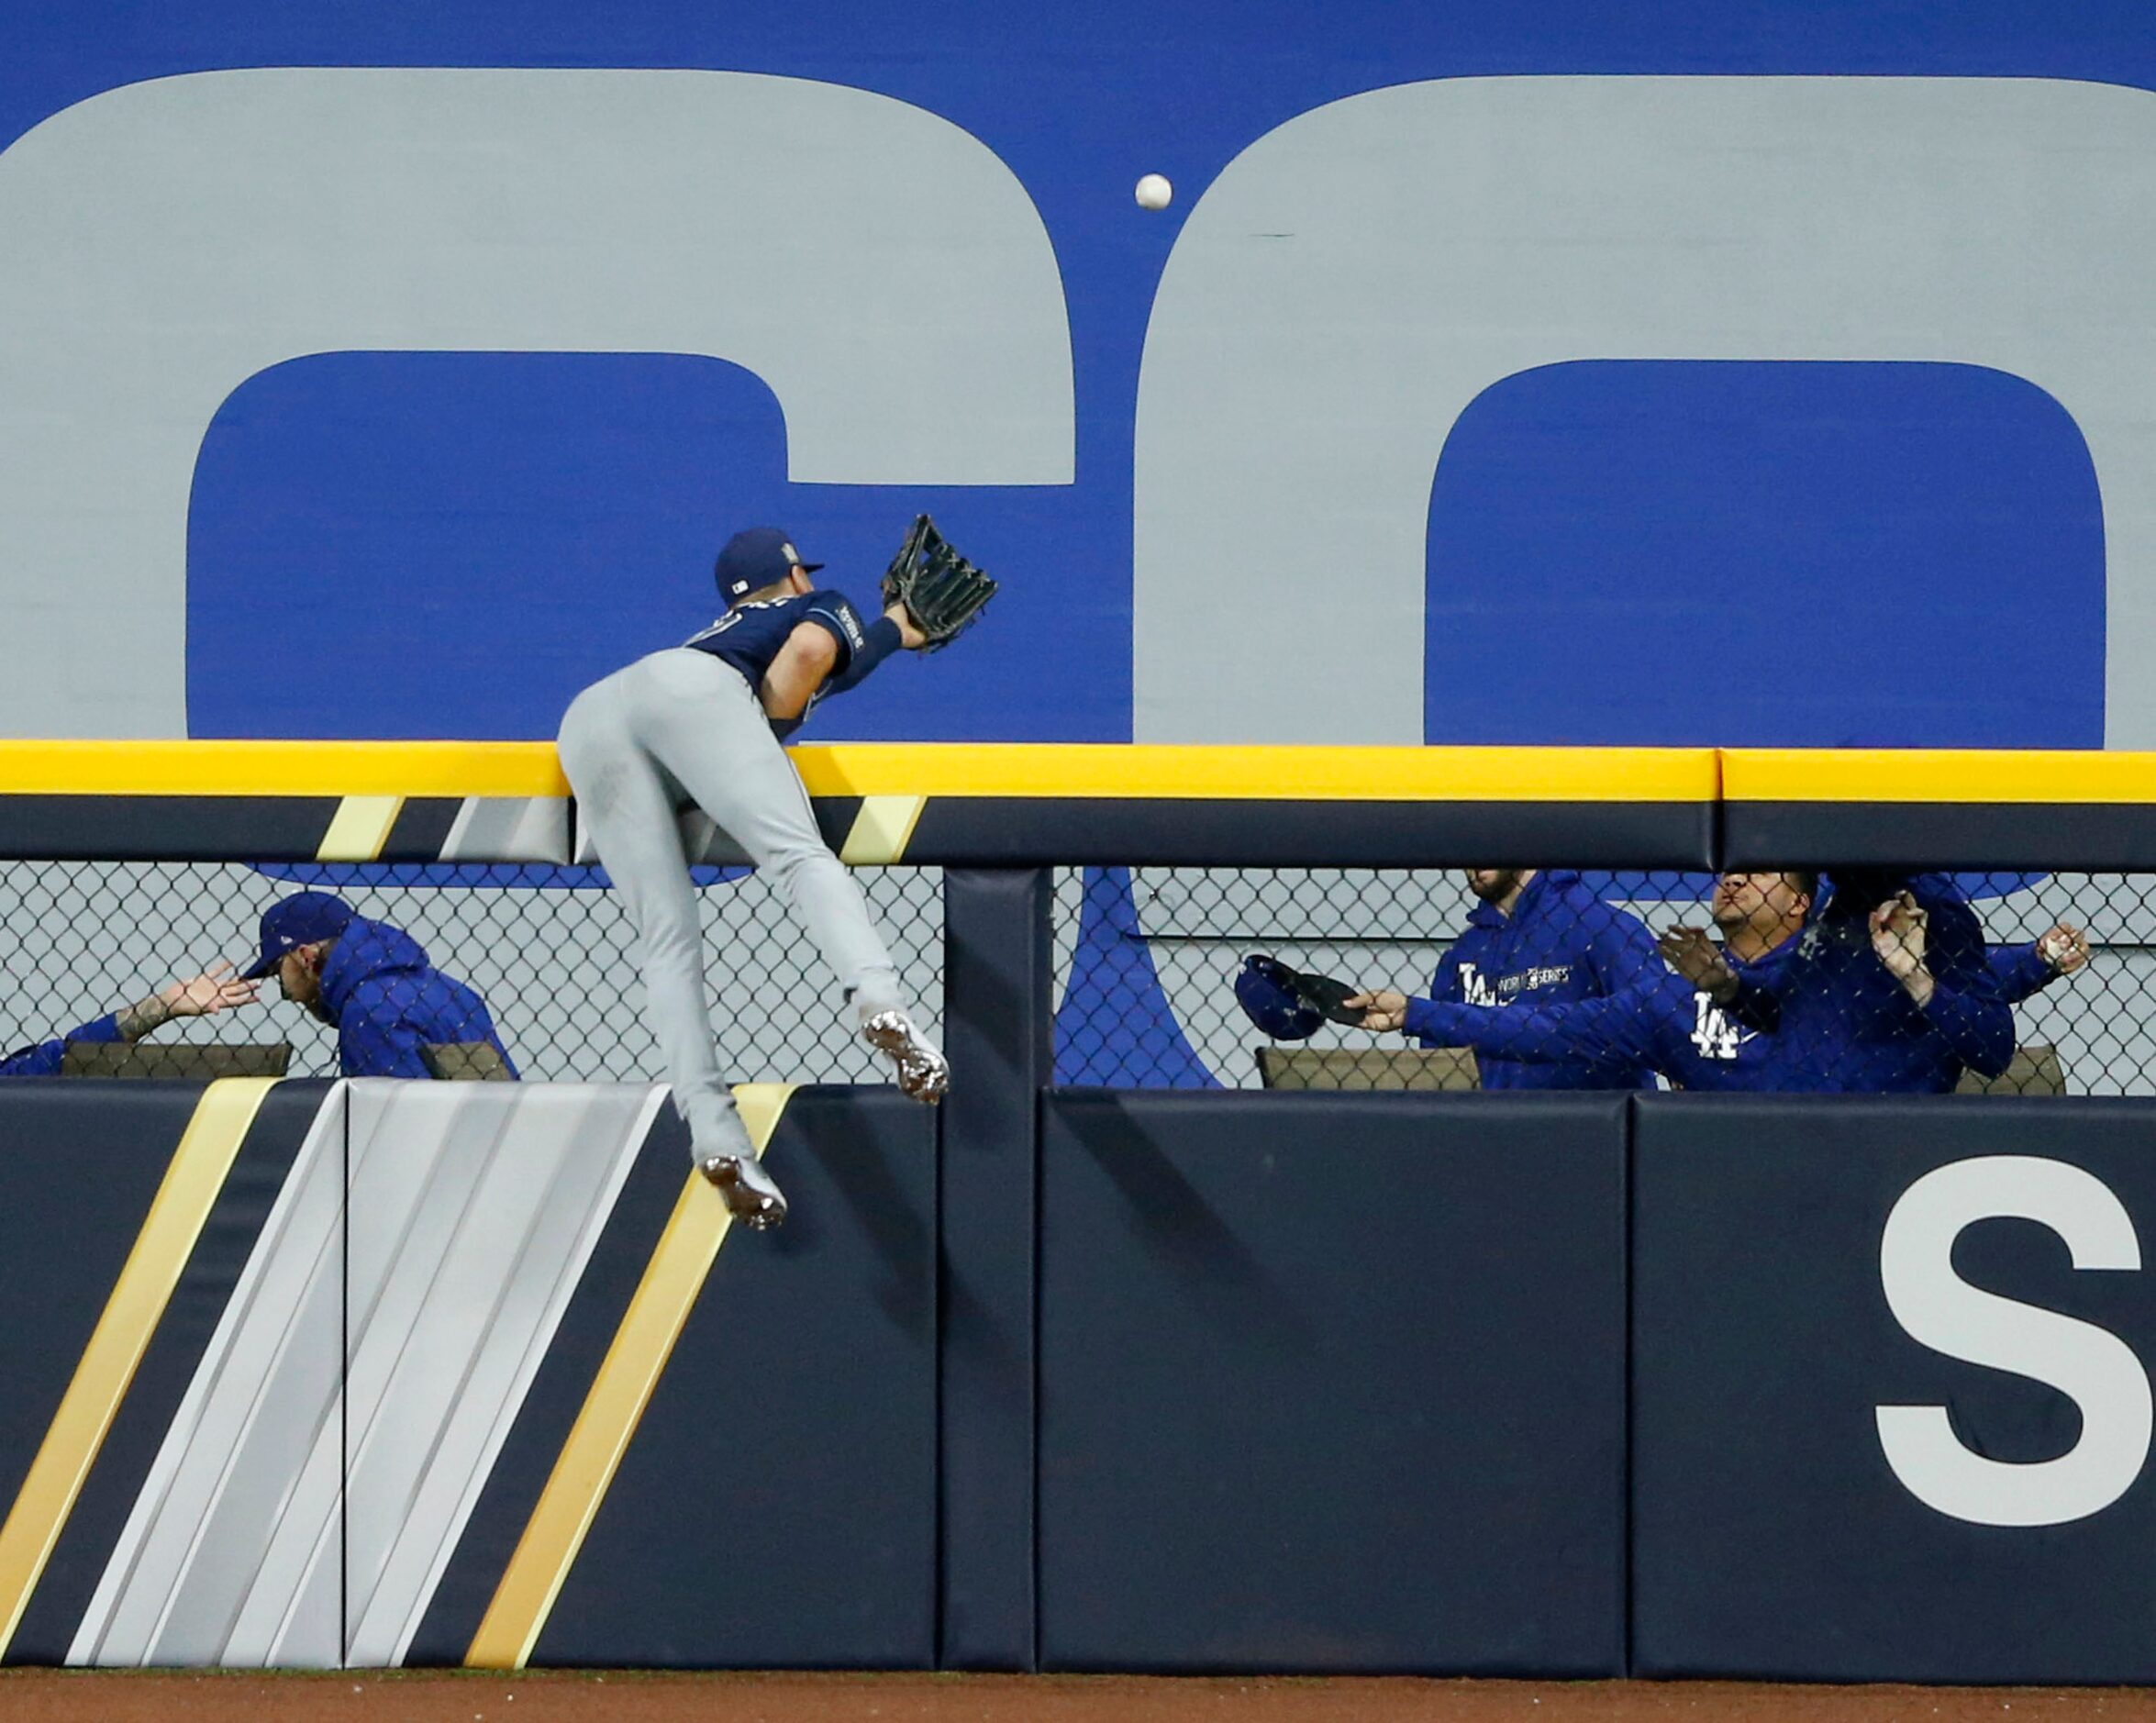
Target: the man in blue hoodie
(372, 983)
(1537, 937)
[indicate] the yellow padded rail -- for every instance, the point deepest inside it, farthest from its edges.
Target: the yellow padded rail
(265, 768)
(1924, 774)
(1108, 771)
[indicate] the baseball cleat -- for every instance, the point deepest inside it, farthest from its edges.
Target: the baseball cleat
(752, 1196)
(923, 1073)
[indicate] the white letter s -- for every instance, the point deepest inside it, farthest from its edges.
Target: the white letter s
(2090, 1365)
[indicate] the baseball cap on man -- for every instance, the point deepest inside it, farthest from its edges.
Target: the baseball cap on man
(754, 558)
(291, 922)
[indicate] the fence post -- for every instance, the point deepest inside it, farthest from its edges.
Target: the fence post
(998, 1007)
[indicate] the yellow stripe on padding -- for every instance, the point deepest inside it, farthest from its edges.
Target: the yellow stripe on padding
(183, 1204)
(882, 831)
(359, 828)
(630, 1371)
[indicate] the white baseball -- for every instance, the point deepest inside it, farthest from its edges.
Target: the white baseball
(1154, 192)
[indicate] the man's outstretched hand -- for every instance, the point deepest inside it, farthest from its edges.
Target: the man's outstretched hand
(1382, 1008)
(216, 989)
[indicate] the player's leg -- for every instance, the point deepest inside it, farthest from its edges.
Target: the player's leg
(701, 721)
(622, 797)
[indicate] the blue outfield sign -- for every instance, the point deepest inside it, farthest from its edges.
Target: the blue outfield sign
(1508, 375)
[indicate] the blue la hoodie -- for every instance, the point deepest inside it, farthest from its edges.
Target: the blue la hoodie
(1661, 1022)
(387, 1002)
(1560, 944)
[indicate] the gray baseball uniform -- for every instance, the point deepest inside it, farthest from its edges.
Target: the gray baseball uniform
(686, 724)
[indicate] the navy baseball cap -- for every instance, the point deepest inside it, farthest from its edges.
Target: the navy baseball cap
(292, 922)
(1269, 999)
(755, 558)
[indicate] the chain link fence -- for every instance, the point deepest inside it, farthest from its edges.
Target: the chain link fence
(1147, 960)
(549, 951)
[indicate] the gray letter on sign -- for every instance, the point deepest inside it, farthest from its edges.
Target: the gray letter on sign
(162, 242)
(1355, 278)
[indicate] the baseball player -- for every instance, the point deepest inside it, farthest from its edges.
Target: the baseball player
(216, 989)
(370, 981)
(706, 722)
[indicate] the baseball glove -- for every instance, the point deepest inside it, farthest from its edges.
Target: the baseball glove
(942, 592)
(1289, 1004)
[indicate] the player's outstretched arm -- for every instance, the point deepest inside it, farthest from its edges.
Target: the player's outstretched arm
(893, 632)
(791, 684)
(807, 666)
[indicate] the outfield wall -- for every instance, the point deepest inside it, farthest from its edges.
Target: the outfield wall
(1565, 1387)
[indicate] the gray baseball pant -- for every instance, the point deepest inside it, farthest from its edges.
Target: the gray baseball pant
(681, 725)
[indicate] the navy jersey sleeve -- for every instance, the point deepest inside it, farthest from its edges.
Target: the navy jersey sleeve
(882, 640)
(834, 613)
(861, 645)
